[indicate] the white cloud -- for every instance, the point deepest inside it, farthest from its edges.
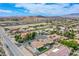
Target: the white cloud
(5, 11)
(74, 9)
(53, 9)
(42, 8)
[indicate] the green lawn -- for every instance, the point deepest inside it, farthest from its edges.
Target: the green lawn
(42, 49)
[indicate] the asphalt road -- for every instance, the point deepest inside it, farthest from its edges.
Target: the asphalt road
(7, 40)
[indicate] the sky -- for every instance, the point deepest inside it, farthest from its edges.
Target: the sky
(38, 9)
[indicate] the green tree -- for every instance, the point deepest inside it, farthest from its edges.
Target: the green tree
(33, 34)
(30, 36)
(70, 34)
(18, 38)
(69, 43)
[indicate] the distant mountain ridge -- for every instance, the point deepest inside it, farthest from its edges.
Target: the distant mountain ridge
(73, 15)
(69, 16)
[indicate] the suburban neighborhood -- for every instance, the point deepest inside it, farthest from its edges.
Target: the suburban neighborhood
(39, 33)
(41, 39)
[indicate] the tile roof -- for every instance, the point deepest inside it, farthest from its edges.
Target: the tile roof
(60, 51)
